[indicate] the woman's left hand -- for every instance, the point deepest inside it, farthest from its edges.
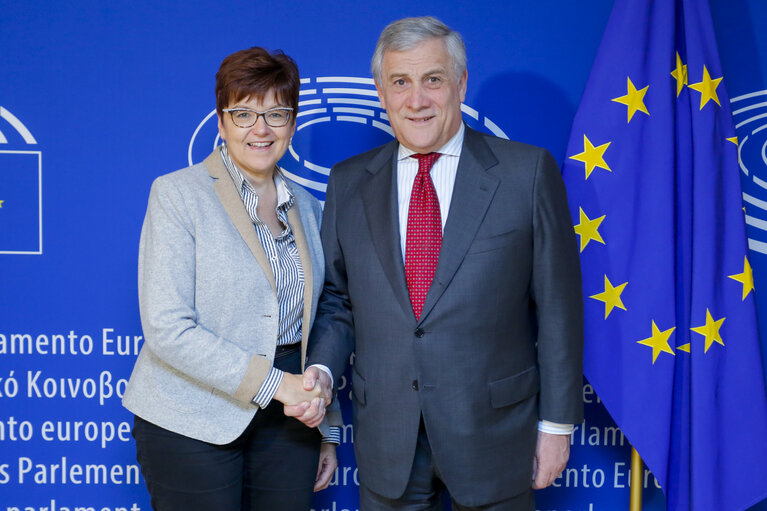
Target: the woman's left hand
(327, 466)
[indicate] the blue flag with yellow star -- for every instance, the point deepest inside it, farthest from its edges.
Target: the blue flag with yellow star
(671, 336)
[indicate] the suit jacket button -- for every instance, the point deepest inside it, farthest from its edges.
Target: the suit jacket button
(419, 332)
(414, 385)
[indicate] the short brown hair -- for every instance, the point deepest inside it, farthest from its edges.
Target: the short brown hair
(255, 72)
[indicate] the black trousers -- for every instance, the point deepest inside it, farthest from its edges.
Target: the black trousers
(271, 466)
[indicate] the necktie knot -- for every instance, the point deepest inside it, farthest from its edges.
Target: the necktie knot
(425, 161)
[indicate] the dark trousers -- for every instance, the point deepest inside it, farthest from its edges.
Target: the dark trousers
(425, 490)
(271, 466)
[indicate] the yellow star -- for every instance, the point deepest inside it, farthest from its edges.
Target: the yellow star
(707, 88)
(734, 140)
(1, 204)
(658, 341)
(611, 296)
(746, 278)
(710, 331)
(684, 347)
(680, 74)
(592, 156)
(634, 99)
(587, 229)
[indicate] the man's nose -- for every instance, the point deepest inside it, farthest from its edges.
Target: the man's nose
(417, 98)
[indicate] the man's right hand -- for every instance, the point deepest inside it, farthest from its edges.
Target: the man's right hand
(312, 412)
(292, 390)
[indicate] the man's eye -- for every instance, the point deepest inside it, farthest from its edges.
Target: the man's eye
(433, 82)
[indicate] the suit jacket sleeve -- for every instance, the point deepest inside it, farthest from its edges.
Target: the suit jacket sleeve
(167, 302)
(332, 338)
(557, 294)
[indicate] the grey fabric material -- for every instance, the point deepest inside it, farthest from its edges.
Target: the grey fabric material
(208, 306)
(500, 341)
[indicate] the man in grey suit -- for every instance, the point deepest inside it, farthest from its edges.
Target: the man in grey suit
(458, 288)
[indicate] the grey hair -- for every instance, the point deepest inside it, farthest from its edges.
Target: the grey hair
(407, 33)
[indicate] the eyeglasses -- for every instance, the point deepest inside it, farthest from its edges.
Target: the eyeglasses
(274, 117)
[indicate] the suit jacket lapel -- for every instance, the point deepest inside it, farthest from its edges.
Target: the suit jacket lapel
(379, 194)
(472, 194)
(230, 199)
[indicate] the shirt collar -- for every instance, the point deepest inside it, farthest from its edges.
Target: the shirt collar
(285, 196)
(451, 148)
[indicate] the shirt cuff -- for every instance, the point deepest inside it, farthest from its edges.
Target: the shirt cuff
(334, 436)
(268, 388)
(555, 428)
(327, 370)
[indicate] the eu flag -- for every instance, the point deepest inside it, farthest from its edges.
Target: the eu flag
(654, 185)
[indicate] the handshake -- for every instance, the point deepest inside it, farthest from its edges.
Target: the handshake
(305, 397)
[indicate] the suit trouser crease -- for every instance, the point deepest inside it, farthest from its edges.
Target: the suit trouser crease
(425, 490)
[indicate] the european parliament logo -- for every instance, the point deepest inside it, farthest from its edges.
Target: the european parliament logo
(339, 116)
(21, 181)
(749, 111)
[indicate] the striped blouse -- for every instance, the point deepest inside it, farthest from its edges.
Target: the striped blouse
(286, 267)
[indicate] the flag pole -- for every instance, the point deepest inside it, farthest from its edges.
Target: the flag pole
(637, 471)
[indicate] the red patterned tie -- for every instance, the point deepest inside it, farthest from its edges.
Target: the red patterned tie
(424, 233)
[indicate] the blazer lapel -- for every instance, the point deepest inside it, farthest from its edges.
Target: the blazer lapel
(296, 225)
(230, 199)
(379, 194)
(472, 194)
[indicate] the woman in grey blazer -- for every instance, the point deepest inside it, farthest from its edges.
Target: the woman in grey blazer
(230, 270)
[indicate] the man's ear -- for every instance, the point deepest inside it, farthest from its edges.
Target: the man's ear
(462, 85)
(380, 94)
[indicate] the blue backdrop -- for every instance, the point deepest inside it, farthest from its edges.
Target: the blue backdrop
(97, 99)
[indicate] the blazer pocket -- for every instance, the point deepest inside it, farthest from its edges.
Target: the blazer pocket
(513, 389)
(492, 243)
(358, 387)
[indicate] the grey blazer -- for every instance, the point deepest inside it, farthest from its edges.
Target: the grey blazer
(208, 303)
(500, 340)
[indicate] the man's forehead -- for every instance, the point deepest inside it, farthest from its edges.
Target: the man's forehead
(407, 70)
(430, 56)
